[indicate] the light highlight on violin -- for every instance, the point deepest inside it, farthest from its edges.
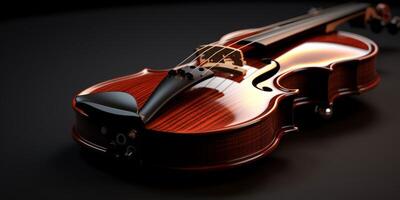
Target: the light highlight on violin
(231, 101)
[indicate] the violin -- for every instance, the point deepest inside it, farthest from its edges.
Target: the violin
(230, 102)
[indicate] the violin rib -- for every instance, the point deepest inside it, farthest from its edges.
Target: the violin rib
(235, 100)
(219, 125)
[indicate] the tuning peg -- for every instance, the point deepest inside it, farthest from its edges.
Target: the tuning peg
(384, 12)
(394, 25)
(379, 17)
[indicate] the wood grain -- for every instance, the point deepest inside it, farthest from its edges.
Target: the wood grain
(223, 122)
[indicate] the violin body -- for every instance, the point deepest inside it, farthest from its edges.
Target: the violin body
(229, 118)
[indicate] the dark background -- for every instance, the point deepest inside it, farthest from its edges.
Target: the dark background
(13, 9)
(49, 52)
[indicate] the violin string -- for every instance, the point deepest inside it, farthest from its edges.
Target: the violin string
(209, 46)
(272, 26)
(223, 81)
(194, 53)
(220, 84)
(312, 14)
(246, 45)
(262, 38)
(211, 79)
(224, 56)
(216, 64)
(230, 54)
(236, 42)
(230, 84)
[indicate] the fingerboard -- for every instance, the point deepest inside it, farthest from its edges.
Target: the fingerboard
(323, 18)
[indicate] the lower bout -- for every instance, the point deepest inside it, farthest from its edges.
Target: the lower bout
(184, 152)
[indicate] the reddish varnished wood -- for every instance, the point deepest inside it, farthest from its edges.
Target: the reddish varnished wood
(220, 122)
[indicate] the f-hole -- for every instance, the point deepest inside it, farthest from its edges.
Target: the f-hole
(265, 76)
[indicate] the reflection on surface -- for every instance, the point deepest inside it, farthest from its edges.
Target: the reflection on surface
(293, 163)
(318, 54)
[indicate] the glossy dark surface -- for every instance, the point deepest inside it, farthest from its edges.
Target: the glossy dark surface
(171, 86)
(113, 103)
(315, 163)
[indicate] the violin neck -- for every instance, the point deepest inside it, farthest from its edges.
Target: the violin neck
(326, 20)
